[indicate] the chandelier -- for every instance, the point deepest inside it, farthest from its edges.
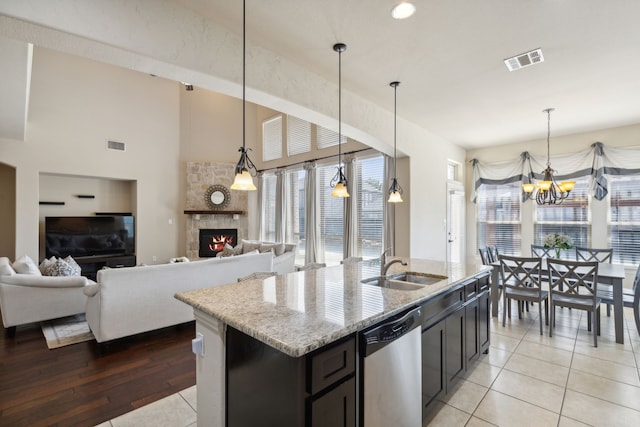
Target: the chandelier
(548, 191)
(339, 181)
(245, 169)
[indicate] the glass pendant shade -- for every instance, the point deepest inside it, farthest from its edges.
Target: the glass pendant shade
(243, 182)
(395, 197)
(340, 190)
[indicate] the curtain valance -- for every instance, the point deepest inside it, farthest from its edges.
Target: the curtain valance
(596, 162)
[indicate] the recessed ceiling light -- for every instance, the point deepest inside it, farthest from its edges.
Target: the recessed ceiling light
(403, 10)
(524, 60)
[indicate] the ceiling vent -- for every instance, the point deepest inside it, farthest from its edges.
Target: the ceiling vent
(524, 60)
(115, 145)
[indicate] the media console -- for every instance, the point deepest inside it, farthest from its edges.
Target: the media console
(91, 264)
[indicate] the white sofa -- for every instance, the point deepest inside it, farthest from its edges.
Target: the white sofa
(284, 254)
(29, 298)
(131, 300)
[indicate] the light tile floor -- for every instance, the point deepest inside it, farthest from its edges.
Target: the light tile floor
(525, 380)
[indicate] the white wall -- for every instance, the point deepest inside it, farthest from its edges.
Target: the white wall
(76, 105)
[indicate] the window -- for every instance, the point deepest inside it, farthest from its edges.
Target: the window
(272, 138)
(498, 216)
(624, 218)
(294, 202)
(452, 171)
(370, 202)
(268, 218)
(571, 218)
(328, 138)
(298, 136)
(331, 217)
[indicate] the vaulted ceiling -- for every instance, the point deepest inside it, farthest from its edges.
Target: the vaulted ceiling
(449, 59)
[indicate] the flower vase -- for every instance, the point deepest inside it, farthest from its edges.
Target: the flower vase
(557, 253)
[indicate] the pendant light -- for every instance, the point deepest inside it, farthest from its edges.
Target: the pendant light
(339, 181)
(548, 191)
(395, 191)
(245, 169)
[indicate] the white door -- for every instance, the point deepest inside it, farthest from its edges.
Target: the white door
(455, 222)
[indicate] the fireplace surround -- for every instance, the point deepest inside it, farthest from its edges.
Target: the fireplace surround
(213, 240)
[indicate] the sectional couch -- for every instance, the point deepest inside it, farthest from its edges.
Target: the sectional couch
(131, 300)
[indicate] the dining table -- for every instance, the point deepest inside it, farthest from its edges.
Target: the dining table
(608, 274)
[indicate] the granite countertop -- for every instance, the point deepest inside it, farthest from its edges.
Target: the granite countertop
(299, 312)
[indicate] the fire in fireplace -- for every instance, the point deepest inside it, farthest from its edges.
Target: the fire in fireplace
(212, 241)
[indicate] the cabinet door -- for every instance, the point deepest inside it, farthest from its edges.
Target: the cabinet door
(454, 342)
(472, 322)
(484, 319)
(432, 363)
(336, 408)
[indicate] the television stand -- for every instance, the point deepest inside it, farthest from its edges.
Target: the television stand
(91, 264)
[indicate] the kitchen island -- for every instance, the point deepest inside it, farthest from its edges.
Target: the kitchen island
(303, 316)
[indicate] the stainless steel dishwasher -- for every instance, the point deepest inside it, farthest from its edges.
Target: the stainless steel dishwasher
(391, 378)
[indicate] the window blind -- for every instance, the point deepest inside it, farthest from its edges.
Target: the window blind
(327, 138)
(295, 220)
(624, 218)
(571, 218)
(272, 138)
(498, 217)
(298, 136)
(370, 203)
(268, 229)
(331, 216)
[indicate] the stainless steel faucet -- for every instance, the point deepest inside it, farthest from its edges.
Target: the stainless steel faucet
(384, 265)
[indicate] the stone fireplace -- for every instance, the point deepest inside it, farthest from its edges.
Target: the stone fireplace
(200, 176)
(212, 241)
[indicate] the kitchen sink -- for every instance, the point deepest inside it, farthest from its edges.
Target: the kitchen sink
(406, 281)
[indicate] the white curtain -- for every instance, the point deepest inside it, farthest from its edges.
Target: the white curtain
(350, 238)
(388, 209)
(313, 243)
(596, 161)
(260, 186)
(281, 215)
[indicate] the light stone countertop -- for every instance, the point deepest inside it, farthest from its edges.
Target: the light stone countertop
(299, 312)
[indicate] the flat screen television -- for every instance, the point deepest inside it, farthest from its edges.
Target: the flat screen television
(88, 236)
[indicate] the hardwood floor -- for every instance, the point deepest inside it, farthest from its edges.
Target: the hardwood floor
(77, 386)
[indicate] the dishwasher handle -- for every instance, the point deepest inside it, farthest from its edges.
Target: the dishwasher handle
(392, 329)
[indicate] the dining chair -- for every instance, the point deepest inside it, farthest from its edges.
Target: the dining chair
(542, 252)
(630, 298)
(485, 256)
(591, 254)
(522, 281)
(574, 284)
(494, 254)
(600, 255)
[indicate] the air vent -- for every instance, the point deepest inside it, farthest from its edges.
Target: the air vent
(524, 60)
(115, 145)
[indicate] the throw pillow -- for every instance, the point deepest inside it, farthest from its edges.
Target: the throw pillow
(61, 268)
(228, 250)
(5, 267)
(237, 250)
(46, 264)
(25, 265)
(74, 266)
(276, 248)
(250, 246)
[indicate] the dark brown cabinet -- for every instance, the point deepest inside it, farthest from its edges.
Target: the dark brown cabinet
(455, 330)
(268, 388)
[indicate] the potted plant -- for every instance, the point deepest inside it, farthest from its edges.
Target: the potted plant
(557, 242)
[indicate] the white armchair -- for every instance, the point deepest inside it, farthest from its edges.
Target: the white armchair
(29, 298)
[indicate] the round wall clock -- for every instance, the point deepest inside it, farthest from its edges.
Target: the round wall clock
(217, 197)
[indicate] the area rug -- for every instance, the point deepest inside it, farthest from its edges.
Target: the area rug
(66, 331)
